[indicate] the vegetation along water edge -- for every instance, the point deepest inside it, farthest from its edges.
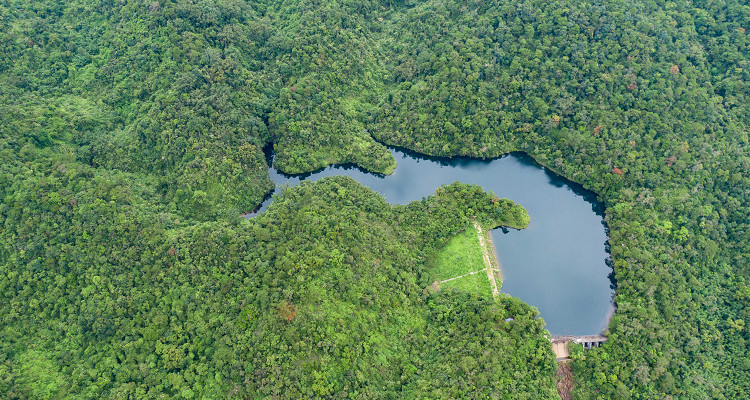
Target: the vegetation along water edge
(132, 137)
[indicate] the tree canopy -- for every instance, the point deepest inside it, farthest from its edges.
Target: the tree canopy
(132, 137)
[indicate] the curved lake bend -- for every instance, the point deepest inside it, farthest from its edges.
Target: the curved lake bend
(558, 264)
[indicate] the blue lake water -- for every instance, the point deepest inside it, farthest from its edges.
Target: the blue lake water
(559, 264)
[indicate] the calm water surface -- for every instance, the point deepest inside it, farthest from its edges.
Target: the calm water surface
(558, 264)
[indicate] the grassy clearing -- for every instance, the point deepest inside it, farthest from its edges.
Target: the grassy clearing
(460, 256)
(476, 283)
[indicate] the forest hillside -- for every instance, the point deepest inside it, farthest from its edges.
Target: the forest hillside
(132, 137)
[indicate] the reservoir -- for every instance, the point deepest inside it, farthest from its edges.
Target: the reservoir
(559, 264)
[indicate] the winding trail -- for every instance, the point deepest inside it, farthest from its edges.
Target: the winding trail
(487, 260)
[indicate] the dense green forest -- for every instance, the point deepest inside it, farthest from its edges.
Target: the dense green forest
(132, 137)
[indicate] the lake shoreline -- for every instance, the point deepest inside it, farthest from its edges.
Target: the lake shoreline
(566, 276)
(494, 257)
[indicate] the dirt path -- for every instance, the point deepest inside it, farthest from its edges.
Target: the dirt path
(461, 276)
(487, 260)
(565, 380)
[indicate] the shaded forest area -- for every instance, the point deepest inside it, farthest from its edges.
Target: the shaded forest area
(131, 137)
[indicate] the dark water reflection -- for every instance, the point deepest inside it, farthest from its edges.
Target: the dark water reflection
(560, 263)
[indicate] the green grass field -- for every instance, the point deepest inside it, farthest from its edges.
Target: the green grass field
(476, 283)
(460, 256)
